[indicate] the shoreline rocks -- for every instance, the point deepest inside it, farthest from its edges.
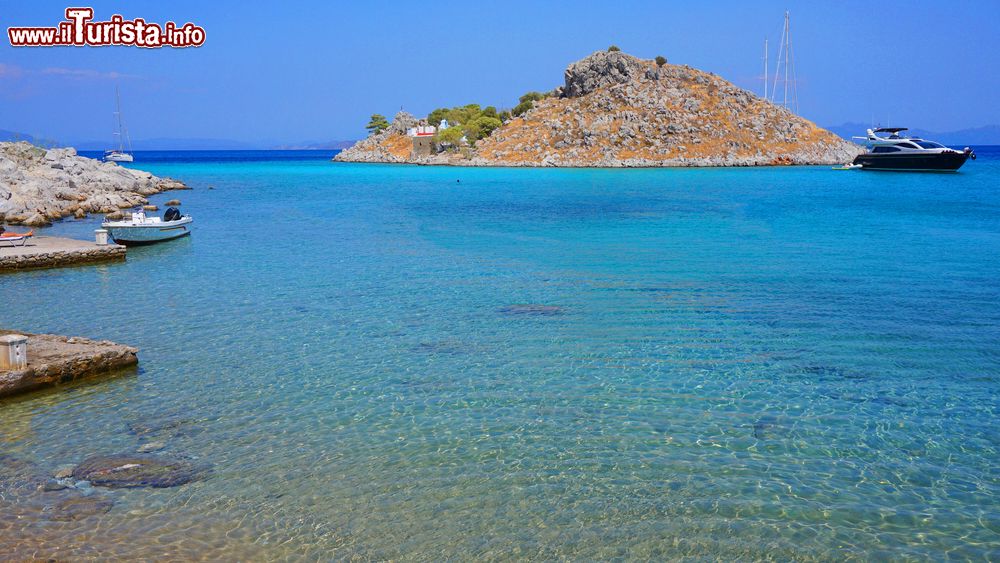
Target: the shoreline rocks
(38, 186)
(617, 111)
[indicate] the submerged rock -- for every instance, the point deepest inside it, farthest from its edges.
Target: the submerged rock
(78, 508)
(53, 485)
(136, 470)
(63, 472)
(151, 447)
(19, 473)
(161, 429)
(531, 309)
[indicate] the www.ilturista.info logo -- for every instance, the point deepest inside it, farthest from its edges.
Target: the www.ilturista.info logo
(78, 30)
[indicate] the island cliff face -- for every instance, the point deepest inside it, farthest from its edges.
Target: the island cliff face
(38, 186)
(615, 110)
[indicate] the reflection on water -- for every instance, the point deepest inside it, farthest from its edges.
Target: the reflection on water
(379, 363)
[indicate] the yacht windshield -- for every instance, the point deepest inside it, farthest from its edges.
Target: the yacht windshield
(929, 145)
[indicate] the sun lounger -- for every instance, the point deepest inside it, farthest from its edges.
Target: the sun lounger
(16, 239)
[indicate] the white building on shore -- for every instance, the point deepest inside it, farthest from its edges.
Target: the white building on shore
(421, 131)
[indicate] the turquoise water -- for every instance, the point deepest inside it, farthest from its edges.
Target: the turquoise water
(392, 362)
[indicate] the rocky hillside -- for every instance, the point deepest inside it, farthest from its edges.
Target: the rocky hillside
(38, 186)
(617, 110)
(390, 145)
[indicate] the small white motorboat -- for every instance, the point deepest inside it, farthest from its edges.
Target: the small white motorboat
(140, 229)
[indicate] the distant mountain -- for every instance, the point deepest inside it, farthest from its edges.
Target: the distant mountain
(314, 145)
(170, 144)
(987, 135)
(178, 144)
(14, 136)
(175, 144)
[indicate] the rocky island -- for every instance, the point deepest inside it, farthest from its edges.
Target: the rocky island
(616, 110)
(38, 186)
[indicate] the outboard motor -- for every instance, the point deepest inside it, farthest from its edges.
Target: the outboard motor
(172, 214)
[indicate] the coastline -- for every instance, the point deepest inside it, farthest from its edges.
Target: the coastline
(620, 166)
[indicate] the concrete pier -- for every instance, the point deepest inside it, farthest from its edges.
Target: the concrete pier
(50, 252)
(54, 359)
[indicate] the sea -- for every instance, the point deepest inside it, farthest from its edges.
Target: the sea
(392, 362)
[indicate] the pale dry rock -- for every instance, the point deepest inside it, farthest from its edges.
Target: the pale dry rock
(38, 186)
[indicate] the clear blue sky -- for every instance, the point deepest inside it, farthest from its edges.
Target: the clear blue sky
(288, 72)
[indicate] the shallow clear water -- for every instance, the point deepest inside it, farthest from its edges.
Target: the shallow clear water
(384, 362)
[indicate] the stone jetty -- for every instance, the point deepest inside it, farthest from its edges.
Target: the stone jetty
(50, 252)
(54, 359)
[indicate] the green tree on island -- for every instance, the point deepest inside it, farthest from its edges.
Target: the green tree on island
(481, 127)
(660, 60)
(613, 48)
(450, 136)
(377, 124)
(527, 102)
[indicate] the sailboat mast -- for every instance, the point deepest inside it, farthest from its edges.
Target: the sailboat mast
(122, 133)
(777, 67)
(791, 63)
(765, 68)
(788, 41)
(118, 117)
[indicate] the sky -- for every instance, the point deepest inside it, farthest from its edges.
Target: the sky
(292, 72)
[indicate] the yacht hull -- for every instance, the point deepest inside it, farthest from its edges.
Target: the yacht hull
(933, 162)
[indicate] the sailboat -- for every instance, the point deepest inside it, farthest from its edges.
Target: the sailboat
(120, 154)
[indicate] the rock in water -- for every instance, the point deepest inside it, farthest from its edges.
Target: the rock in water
(53, 485)
(136, 470)
(63, 472)
(173, 202)
(78, 508)
(151, 447)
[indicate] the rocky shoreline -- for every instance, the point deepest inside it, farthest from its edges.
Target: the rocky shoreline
(617, 111)
(38, 186)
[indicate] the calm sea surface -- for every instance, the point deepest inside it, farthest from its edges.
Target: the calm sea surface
(415, 363)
